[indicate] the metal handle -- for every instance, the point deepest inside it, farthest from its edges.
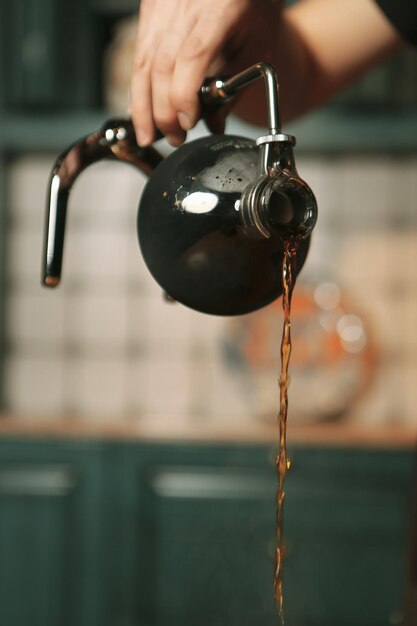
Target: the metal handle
(218, 91)
(115, 140)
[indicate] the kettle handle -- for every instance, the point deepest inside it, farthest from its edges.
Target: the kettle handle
(115, 140)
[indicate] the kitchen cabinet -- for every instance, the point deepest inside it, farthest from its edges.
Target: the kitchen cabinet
(347, 528)
(122, 533)
(51, 550)
(48, 55)
(51, 53)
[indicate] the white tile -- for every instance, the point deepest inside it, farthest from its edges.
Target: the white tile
(316, 172)
(179, 369)
(167, 386)
(380, 270)
(327, 188)
(168, 325)
(363, 261)
(24, 254)
(107, 194)
(364, 193)
(402, 192)
(208, 330)
(137, 318)
(386, 401)
(232, 392)
(95, 255)
(162, 327)
(99, 320)
(322, 258)
(34, 385)
(172, 328)
(138, 400)
(200, 389)
(137, 269)
(28, 178)
(96, 387)
(398, 329)
(35, 317)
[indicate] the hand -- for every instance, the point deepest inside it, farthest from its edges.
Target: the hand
(179, 43)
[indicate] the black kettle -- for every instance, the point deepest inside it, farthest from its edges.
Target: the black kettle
(214, 216)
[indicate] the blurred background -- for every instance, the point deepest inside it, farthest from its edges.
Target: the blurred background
(104, 344)
(106, 348)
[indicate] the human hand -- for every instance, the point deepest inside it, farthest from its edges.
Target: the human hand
(180, 42)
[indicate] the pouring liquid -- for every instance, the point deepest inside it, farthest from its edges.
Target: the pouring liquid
(282, 462)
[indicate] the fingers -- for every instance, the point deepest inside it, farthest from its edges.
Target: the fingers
(164, 111)
(201, 50)
(163, 26)
(177, 42)
(141, 105)
(148, 36)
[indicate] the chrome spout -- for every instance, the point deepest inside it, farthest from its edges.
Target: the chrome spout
(279, 200)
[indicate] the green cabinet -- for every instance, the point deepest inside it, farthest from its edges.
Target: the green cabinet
(51, 53)
(145, 534)
(51, 549)
(205, 536)
(348, 525)
(47, 55)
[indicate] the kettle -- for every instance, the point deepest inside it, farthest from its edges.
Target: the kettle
(215, 214)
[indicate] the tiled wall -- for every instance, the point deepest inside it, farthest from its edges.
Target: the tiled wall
(367, 240)
(105, 344)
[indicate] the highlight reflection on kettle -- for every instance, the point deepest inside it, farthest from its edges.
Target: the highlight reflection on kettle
(213, 215)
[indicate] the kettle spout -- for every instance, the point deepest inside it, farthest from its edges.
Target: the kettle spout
(114, 141)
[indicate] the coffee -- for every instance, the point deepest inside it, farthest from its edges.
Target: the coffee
(282, 462)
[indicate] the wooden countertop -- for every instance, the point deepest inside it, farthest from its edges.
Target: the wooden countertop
(342, 433)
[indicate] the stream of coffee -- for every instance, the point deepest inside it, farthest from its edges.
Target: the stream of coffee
(282, 462)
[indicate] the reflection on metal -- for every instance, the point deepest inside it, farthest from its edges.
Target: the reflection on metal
(200, 202)
(223, 90)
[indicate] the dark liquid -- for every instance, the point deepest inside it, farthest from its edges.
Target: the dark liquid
(282, 462)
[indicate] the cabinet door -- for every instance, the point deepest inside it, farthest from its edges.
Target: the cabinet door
(29, 36)
(50, 560)
(347, 523)
(202, 536)
(48, 55)
(207, 552)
